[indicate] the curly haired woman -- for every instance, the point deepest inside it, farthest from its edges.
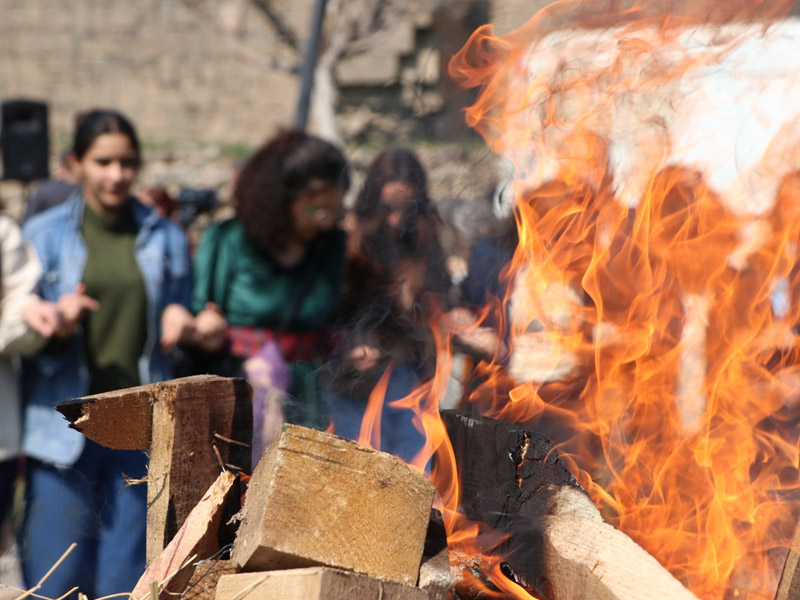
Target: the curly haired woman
(267, 281)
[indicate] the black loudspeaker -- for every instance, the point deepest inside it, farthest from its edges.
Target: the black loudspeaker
(24, 140)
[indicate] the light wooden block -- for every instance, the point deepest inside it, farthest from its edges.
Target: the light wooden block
(318, 499)
(314, 583)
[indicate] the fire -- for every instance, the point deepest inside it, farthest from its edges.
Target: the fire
(651, 299)
(657, 196)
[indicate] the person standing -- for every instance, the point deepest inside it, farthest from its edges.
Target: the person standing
(121, 277)
(25, 323)
(267, 281)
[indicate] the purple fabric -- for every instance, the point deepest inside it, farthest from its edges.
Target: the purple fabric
(270, 377)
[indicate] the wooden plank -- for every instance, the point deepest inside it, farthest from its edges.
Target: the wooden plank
(586, 558)
(183, 462)
(121, 419)
(196, 539)
(558, 544)
(315, 583)
(177, 421)
(789, 586)
(315, 498)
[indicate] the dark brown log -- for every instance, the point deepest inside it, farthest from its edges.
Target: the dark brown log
(506, 474)
(558, 545)
(180, 422)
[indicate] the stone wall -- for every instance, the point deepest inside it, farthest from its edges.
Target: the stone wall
(176, 72)
(205, 70)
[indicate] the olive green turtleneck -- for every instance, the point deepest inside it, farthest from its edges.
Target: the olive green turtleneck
(115, 332)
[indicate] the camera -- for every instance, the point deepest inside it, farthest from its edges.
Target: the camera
(193, 202)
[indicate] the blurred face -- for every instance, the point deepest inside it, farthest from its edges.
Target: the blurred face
(396, 202)
(316, 211)
(106, 172)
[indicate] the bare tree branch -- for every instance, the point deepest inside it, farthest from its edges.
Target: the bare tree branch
(255, 59)
(282, 28)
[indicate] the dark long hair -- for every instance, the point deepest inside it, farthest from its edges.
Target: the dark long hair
(92, 124)
(275, 175)
(393, 165)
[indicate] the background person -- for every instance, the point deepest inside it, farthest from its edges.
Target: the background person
(54, 191)
(396, 282)
(116, 270)
(267, 281)
(25, 323)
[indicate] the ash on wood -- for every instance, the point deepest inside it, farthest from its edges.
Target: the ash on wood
(318, 499)
(558, 545)
(315, 583)
(184, 423)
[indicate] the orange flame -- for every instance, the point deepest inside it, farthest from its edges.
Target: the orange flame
(643, 328)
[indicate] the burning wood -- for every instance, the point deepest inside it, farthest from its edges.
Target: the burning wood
(789, 586)
(656, 150)
(343, 516)
(557, 544)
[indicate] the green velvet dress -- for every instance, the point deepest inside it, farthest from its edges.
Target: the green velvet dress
(256, 292)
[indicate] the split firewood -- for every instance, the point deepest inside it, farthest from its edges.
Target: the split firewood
(196, 539)
(789, 586)
(315, 498)
(314, 583)
(558, 545)
(191, 426)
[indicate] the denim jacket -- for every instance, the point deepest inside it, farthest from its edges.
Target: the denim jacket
(163, 257)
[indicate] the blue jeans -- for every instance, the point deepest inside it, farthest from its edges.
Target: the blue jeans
(8, 475)
(399, 436)
(88, 505)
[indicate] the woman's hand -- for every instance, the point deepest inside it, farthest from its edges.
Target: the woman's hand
(464, 326)
(177, 327)
(210, 325)
(364, 357)
(73, 307)
(43, 317)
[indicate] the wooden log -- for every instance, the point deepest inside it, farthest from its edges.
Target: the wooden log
(180, 422)
(196, 539)
(504, 472)
(585, 557)
(558, 545)
(315, 498)
(789, 586)
(314, 583)
(204, 580)
(434, 573)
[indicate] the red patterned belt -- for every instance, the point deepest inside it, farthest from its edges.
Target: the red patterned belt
(296, 347)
